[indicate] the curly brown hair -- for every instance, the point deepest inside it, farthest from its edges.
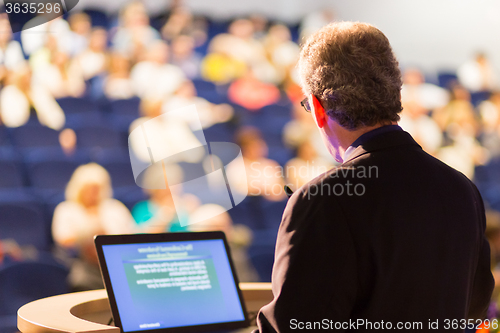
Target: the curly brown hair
(351, 69)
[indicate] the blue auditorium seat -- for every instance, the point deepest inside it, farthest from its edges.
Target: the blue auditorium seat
(223, 132)
(125, 107)
(98, 137)
(24, 223)
(262, 259)
(11, 174)
(477, 97)
(445, 79)
(71, 105)
(4, 138)
(86, 119)
(273, 211)
(24, 282)
(97, 18)
(32, 136)
(49, 178)
(249, 212)
(121, 174)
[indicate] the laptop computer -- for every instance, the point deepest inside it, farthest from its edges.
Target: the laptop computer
(171, 282)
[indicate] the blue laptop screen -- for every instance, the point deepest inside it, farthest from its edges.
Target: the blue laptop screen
(172, 284)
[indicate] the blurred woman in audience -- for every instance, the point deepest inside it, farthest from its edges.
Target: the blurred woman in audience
(264, 177)
(21, 97)
(134, 35)
(118, 84)
(207, 113)
(88, 210)
(238, 236)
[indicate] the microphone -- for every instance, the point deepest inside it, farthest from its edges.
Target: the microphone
(288, 191)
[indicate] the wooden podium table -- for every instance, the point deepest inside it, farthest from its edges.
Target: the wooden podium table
(89, 311)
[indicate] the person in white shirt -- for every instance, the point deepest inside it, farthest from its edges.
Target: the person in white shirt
(88, 210)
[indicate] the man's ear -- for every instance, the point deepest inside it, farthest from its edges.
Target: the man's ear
(319, 112)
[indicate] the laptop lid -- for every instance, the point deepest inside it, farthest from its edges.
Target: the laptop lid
(171, 282)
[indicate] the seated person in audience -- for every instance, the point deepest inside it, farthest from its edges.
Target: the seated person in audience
(88, 210)
(425, 95)
(93, 59)
(489, 111)
(183, 56)
(67, 140)
(458, 112)
(21, 97)
(239, 237)
(11, 54)
(61, 77)
(118, 84)
(264, 177)
(281, 50)
(154, 77)
(478, 74)
(169, 135)
(134, 35)
(228, 52)
(305, 167)
(80, 25)
(35, 38)
(159, 213)
(415, 120)
(181, 22)
(458, 121)
(251, 93)
(208, 113)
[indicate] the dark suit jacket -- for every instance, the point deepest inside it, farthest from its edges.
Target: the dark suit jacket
(405, 244)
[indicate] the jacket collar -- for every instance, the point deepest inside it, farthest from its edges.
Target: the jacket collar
(379, 139)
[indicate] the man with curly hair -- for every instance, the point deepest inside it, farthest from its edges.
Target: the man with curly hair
(390, 239)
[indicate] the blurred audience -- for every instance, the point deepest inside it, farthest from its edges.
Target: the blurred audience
(88, 210)
(207, 113)
(21, 97)
(478, 74)
(154, 77)
(118, 84)
(253, 64)
(134, 34)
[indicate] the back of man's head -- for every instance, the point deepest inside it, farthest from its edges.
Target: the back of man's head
(351, 69)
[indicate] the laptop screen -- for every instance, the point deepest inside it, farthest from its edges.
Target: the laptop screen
(171, 284)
